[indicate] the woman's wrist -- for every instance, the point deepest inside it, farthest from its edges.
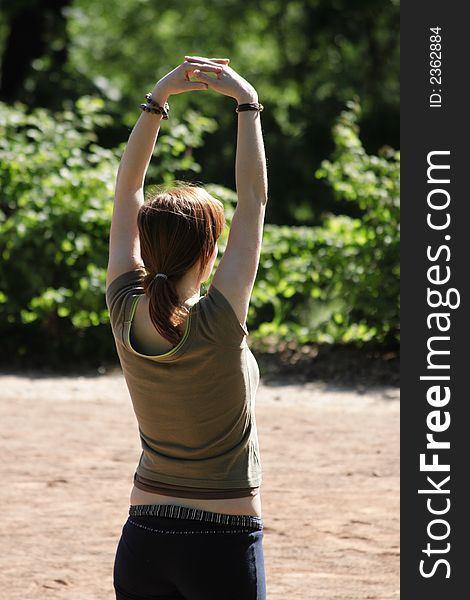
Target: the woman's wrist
(159, 95)
(246, 97)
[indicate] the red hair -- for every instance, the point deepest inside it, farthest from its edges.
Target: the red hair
(177, 228)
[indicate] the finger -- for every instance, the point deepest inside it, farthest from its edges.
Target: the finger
(204, 77)
(219, 61)
(203, 66)
(202, 59)
(222, 61)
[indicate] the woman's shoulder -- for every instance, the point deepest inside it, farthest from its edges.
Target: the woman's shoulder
(121, 292)
(125, 280)
(218, 318)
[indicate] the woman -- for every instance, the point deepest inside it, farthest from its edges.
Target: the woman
(195, 525)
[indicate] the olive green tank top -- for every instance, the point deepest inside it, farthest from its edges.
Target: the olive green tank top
(195, 404)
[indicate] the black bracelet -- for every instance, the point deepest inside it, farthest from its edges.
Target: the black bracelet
(249, 106)
(153, 107)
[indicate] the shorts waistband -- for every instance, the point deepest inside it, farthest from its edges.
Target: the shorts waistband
(175, 511)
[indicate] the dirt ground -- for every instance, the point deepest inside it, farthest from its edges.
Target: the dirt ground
(69, 447)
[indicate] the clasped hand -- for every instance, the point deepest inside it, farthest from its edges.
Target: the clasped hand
(225, 80)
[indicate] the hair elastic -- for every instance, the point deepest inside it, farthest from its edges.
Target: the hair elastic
(161, 275)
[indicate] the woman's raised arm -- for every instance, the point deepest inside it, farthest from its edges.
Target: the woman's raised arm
(250, 165)
(138, 153)
(236, 272)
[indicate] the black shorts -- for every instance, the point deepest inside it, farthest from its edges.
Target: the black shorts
(169, 552)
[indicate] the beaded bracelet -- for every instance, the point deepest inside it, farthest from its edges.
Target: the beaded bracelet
(249, 106)
(153, 107)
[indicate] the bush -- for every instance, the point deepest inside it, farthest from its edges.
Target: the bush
(366, 273)
(57, 188)
(334, 283)
(339, 282)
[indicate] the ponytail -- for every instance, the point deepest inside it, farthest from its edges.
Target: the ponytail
(164, 307)
(178, 228)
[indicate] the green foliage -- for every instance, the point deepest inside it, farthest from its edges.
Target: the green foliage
(55, 211)
(174, 151)
(368, 269)
(294, 51)
(57, 187)
(306, 59)
(338, 282)
(335, 283)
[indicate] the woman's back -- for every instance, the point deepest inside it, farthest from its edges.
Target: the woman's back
(143, 335)
(194, 402)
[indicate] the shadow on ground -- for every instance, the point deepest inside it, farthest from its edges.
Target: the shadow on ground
(340, 366)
